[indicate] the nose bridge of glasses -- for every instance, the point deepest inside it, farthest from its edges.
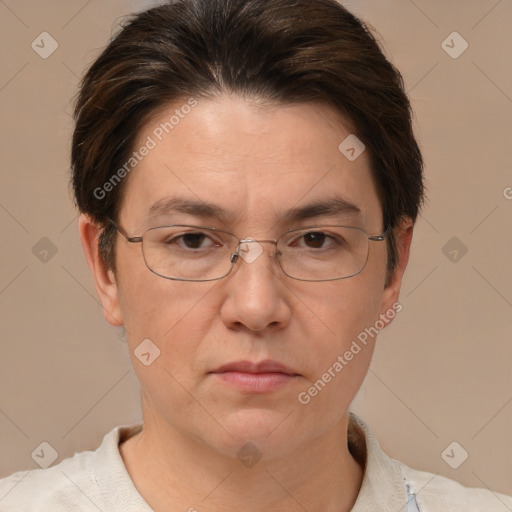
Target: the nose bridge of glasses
(249, 240)
(249, 249)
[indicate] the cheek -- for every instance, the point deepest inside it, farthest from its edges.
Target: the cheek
(163, 337)
(151, 305)
(345, 312)
(342, 354)
(175, 316)
(347, 306)
(375, 270)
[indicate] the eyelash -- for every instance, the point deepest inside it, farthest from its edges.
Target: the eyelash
(327, 236)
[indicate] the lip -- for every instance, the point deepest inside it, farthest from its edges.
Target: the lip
(253, 377)
(266, 366)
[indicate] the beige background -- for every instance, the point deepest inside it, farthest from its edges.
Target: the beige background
(442, 371)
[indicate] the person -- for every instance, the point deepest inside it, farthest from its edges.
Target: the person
(248, 181)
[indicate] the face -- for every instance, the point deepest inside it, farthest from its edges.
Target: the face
(256, 165)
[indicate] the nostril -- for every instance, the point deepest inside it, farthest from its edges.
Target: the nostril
(234, 258)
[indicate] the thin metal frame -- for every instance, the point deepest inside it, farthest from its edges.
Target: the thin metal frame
(234, 257)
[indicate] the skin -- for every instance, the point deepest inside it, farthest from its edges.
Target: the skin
(256, 163)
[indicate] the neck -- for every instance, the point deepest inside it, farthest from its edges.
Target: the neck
(172, 470)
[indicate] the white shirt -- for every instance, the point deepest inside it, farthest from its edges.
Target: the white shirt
(95, 481)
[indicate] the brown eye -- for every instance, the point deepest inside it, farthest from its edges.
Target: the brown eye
(177, 238)
(315, 239)
(193, 240)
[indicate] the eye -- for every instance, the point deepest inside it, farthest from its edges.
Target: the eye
(191, 240)
(317, 239)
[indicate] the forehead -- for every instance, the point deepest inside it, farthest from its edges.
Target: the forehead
(249, 164)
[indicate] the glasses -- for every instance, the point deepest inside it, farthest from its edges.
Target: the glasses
(185, 252)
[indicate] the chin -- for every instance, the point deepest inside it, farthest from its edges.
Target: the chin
(267, 430)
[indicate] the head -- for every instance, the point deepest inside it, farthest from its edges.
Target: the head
(245, 105)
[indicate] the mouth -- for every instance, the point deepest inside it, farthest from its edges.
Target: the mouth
(252, 377)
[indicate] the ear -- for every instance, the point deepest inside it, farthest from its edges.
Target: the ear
(104, 280)
(389, 301)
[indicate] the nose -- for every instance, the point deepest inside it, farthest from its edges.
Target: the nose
(255, 293)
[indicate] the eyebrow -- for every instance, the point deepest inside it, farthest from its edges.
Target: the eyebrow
(331, 207)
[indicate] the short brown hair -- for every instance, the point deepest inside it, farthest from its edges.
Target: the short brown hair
(279, 51)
